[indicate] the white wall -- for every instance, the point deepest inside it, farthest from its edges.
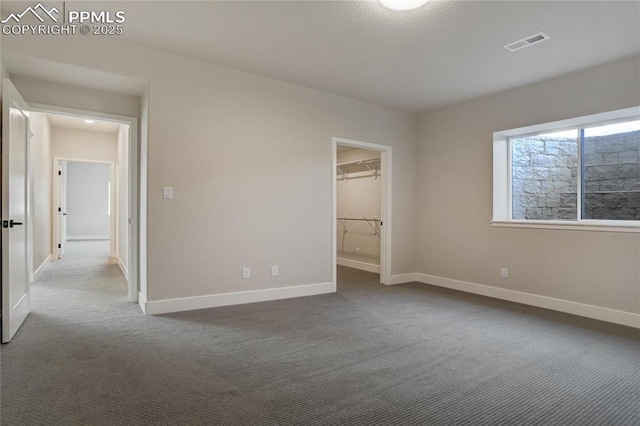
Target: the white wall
(138, 258)
(358, 197)
(250, 161)
(456, 240)
(88, 204)
(42, 181)
(122, 194)
(64, 95)
(84, 145)
(4, 73)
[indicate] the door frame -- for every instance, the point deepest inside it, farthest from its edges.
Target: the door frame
(30, 204)
(137, 191)
(56, 202)
(385, 208)
(113, 231)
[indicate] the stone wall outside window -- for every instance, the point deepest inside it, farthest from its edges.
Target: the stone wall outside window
(545, 177)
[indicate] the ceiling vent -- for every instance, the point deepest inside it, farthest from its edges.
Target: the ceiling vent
(526, 42)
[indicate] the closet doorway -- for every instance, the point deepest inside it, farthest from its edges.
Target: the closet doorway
(362, 207)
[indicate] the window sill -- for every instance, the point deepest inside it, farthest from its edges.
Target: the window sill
(632, 227)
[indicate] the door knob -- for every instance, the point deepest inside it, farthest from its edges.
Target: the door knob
(13, 223)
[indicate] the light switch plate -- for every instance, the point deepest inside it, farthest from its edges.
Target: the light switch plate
(167, 192)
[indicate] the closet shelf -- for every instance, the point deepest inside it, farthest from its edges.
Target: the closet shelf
(372, 165)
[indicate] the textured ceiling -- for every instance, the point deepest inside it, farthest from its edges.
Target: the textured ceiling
(443, 53)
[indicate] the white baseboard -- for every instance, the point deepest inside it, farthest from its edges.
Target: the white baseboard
(124, 269)
(402, 279)
(356, 264)
(590, 311)
(87, 237)
(156, 307)
(142, 302)
(36, 274)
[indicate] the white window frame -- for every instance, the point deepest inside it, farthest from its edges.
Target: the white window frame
(502, 188)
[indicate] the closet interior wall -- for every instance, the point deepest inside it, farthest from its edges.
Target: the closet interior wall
(358, 208)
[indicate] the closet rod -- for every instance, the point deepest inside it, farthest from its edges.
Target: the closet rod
(374, 223)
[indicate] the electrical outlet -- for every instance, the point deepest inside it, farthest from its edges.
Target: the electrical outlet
(246, 273)
(504, 272)
(274, 271)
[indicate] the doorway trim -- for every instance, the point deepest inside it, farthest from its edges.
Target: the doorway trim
(137, 191)
(385, 200)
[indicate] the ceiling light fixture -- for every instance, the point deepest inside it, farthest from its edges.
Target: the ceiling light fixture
(89, 121)
(402, 5)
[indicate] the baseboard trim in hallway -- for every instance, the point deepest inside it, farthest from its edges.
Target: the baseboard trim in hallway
(142, 302)
(575, 308)
(156, 307)
(38, 272)
(124, 269)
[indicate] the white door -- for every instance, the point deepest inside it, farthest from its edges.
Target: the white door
(62, 207)
(15, 281)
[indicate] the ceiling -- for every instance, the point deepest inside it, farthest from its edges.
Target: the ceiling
(77, 123)
(442, 53)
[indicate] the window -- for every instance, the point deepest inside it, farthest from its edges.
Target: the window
(544, 176)
(583, 172)
(611, 171)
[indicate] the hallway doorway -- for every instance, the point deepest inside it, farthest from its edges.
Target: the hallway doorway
(83, 189)
(86, 191)
(34, 158)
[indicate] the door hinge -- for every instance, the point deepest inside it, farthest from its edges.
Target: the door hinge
(59, 209)
(381, 223)
(59, 172)
(59, 245)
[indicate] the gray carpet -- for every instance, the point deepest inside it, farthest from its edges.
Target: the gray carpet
(368, 355)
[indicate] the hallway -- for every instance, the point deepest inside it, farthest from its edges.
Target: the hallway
(84, 286)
